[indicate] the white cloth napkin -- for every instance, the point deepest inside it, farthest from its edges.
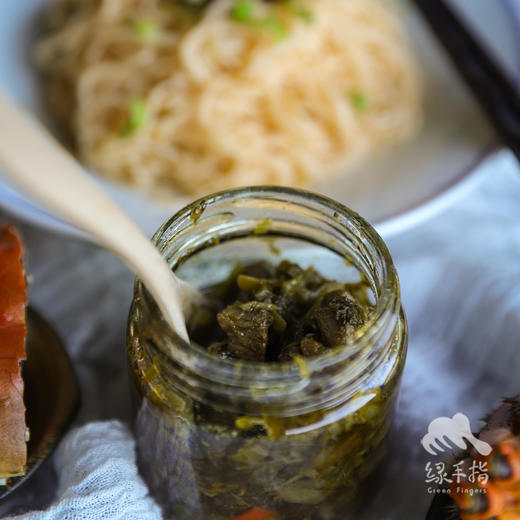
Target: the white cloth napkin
(460, 278)
(98, 477)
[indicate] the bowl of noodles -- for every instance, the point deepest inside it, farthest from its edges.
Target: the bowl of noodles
(196, 99)
(165, 100)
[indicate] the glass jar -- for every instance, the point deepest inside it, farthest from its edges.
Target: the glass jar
(217, 438)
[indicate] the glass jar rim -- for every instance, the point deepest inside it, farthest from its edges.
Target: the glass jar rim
(259, 374)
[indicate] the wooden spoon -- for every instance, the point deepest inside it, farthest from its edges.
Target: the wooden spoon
(40, 166)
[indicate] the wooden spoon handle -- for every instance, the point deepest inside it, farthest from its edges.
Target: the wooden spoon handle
(36, 162)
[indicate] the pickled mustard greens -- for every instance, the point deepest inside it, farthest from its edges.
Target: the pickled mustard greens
(208, 463)
(221, 458)
(270, 314)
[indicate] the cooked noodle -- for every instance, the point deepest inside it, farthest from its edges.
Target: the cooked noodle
(194, 100)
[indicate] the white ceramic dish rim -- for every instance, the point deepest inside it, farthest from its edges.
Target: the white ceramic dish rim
(387, 225)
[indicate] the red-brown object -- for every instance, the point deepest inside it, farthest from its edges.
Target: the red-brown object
(496, 497)
(13, 298)
(256, 514)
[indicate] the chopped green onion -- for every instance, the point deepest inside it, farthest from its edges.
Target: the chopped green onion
(359, 100)
(242, 11)
(146, 29)
(305, 14)
(275, 25)
(136, 117)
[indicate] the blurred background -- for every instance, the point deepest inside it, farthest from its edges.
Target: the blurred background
(382, 122)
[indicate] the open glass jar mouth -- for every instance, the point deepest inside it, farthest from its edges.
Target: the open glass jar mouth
(174, 241)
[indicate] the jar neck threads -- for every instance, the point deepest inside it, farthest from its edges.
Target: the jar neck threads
(288, 388)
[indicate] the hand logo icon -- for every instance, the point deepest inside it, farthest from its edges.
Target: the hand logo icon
(455, 430)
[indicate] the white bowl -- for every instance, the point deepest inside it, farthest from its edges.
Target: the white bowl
(393, 191)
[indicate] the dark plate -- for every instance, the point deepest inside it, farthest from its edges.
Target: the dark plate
(443, 508)
(51, 394)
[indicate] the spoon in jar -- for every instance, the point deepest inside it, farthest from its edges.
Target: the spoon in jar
(35, 161)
